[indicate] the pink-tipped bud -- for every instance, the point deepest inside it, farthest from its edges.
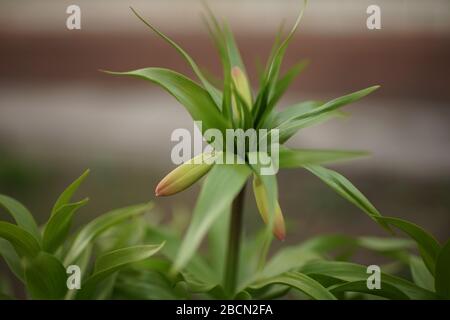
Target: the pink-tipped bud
(184, 175)
(279, 229)
(242, 86)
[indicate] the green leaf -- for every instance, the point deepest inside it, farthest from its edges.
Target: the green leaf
(58, 226)
(386, 291)
(277, 119)
(67, 194)
(337, 103)
(420, 274)
(347, 190)
(290, 158)
(99, 225)
(288, 259)
(442, 274)
(194, 98)
(111, 262)
(350, 272)
(215, 94)
(45, 277)
(24, 243)
(221, 186)
(263, 108)
(217, 244)
(428, 246)
(21, 215)
(12, 259)
(290, 128)
(298, 281)
(283, 84)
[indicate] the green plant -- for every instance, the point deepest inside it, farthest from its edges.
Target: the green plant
(221, 197)
(39, 257)
(233, 265)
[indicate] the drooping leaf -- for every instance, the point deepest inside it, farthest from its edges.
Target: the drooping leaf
(45, 277)
(347, 190)
(350, 272)
(215, 94)
(298, 281)
(442, 274)
(428, 246)
(109, 263)
(386, 291)
(58, 226)
(222, 184)
(99, 225)
(21, 215)
(23, 242)
(294, 158)
(194, 98)
(66, 195)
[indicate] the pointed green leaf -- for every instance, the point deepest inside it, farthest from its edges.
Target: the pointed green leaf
(67, 194)
(21, 215)
(428, 246)
(294, 158)
(215, 94)
(24, 243)
(222, 184)
(194, 98)
(386, 291)
(283, 84)
(350, 272)
(298, 281)
(99, 225)
(58, 226)
(111, 262)
(347, 190)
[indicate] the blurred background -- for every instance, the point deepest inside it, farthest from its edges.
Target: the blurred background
(59, 115)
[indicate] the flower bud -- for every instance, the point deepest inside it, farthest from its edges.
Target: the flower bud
(242, 86)
(262, 202)
(184, 175)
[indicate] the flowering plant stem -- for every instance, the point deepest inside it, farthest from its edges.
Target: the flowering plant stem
(234, 238)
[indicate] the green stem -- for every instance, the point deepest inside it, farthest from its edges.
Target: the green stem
(234, 239)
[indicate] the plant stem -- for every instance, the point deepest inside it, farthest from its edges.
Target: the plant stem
(234, 239)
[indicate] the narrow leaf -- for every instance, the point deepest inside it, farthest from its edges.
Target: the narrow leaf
(347, 190)
(21, 215)
(99, 225)
(111, 262)
(301, 282)
(428, 246)
(294, 158)
(59, 224)
(67, 194)
(219, 189)
(194, 98)
(24, 243)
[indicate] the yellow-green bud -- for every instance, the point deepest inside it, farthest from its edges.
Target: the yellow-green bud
(184, 175)
(242, 86)
(279, 229)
